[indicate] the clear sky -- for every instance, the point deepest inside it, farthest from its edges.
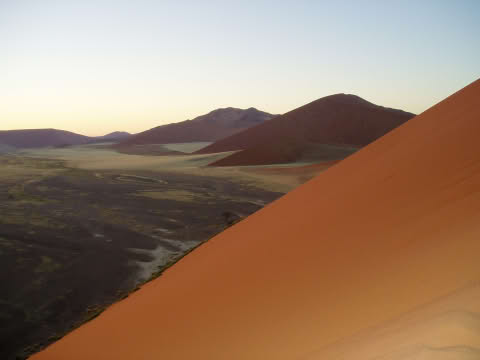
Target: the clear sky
(96, 66)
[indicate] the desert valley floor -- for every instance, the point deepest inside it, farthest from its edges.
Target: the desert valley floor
(83, 226)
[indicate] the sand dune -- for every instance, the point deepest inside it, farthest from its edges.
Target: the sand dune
(376, 258)
(347, 121)
(447, 328)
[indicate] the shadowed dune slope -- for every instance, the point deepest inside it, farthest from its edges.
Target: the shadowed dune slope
(337, 119)
(215, 125)
(392, 230)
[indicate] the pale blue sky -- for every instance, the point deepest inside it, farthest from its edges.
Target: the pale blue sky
(95, 66)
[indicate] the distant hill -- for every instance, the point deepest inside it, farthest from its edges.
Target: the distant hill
(340, 121)
(32, 138)
(115, 135)
(213, 126)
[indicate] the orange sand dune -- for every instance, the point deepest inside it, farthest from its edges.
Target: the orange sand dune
(445, 329)
(389, 231)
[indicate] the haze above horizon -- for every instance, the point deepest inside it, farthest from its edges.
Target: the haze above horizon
(98, 66)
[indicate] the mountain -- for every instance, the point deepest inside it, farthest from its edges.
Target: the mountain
(33, 138)
(215, 125)
(36, 138)
(345, 121)
(376, 258)
(116, 135)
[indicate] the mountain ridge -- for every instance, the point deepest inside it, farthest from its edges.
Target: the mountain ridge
(212, 126)
(46, 137)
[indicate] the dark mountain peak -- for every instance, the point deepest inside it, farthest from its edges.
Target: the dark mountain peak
(229, 110)
(116, 135)
(215, 125)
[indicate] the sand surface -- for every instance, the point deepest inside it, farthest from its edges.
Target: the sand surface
(386, 241)
(281, 177)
